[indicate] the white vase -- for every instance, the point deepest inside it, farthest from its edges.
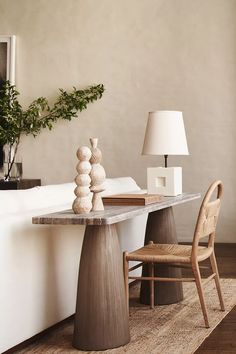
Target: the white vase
(97, 175)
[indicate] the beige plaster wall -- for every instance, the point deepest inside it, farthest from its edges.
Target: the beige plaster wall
(150, 55)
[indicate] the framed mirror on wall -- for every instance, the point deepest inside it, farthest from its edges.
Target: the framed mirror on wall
(7, 67)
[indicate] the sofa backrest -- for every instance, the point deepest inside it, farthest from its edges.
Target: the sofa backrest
(16, 201)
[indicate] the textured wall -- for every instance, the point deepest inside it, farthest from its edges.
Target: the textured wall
(150, 55)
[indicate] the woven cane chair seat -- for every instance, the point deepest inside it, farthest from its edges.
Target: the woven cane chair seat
(165, 253)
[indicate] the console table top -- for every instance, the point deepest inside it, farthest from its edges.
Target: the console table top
(111, 214)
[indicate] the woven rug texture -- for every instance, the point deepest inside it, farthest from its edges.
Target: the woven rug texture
(169, 329)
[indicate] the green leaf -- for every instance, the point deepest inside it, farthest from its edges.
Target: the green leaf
(14, 121)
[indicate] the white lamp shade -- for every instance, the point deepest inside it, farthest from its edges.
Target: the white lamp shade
(165, 134)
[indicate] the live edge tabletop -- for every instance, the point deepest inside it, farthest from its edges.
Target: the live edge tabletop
(111, 214)
(101, 316)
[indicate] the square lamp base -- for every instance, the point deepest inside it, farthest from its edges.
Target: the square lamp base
(164, 180)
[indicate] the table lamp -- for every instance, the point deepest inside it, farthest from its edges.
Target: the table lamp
(165, 135)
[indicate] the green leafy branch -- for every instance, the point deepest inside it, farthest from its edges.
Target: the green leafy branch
(14, 121)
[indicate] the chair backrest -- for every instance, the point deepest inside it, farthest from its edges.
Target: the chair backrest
(208, 216)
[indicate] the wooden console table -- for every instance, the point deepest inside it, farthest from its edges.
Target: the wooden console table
(101, 318)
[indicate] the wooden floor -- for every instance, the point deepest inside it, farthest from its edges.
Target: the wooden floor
(223, 339)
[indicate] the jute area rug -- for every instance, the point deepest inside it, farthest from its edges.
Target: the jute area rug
(169, 329)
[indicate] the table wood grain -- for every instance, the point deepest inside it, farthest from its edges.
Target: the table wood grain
(111, 214)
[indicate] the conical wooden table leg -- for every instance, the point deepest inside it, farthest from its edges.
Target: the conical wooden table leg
(101, 320)
(161, 229)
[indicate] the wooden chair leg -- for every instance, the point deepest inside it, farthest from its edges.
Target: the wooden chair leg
(151, 274)
(198, 280)
(217, 280)
(126, 277)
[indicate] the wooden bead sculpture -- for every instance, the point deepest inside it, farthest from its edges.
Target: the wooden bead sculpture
(97, 175)
(82, 204)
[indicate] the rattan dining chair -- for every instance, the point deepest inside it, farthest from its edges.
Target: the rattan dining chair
(184, 255)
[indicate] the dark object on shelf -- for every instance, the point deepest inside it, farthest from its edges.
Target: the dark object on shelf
(1, 156)
(21, 184)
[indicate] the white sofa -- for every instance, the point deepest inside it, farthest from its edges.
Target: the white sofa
(39, 263)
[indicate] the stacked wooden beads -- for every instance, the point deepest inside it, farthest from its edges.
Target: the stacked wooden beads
(82, 203)
(97, 175)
